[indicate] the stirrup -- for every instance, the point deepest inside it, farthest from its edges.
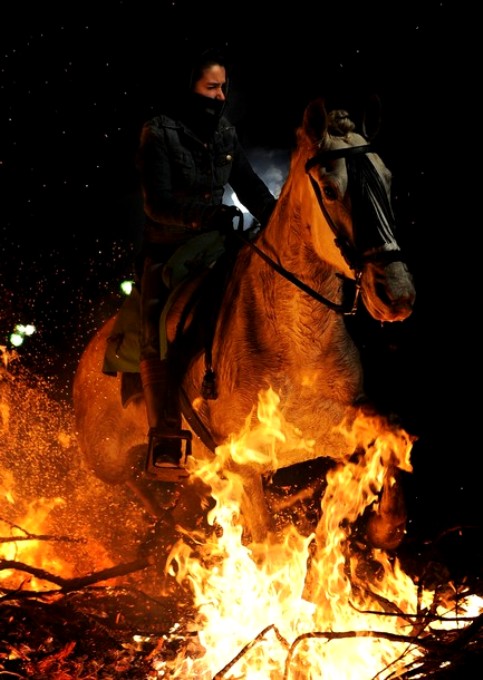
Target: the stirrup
(177, 472)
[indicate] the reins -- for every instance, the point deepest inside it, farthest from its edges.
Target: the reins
(339, 308)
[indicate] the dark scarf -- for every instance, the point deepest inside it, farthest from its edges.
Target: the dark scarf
(202, 114)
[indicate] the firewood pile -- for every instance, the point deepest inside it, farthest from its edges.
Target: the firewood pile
(81, 628)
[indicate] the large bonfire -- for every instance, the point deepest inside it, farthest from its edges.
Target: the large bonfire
(82, 598)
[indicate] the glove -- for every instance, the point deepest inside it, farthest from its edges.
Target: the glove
(221, 218)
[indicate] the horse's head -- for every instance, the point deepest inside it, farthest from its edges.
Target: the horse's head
(351, 222)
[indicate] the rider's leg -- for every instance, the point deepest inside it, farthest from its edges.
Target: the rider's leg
(157, 376)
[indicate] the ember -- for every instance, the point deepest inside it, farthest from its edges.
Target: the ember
(81, 598)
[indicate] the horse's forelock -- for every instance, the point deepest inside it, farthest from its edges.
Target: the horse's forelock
(340, 123)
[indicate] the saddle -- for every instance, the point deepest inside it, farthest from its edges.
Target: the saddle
(195, 275)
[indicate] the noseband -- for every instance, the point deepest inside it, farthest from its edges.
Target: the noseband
(369, 206)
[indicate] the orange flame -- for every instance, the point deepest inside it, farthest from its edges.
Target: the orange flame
(298, 606)
(268, 611)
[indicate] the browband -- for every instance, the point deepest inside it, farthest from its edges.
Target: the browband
(323, 156)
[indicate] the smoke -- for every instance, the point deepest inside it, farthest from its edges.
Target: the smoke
(271, 165)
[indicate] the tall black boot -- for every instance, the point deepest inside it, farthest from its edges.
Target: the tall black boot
(168, 444)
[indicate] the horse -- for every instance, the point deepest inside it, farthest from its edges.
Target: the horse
(281, 325)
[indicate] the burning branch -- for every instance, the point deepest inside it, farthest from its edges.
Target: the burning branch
(41, 537)
(29, 536)
(67, 585)
(250, 645)
(439, 649)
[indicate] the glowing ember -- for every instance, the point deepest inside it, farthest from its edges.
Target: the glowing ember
(50, 504)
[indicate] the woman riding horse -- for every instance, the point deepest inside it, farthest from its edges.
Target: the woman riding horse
(329, 243)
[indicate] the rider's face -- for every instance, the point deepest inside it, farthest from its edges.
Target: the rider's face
(212, 82)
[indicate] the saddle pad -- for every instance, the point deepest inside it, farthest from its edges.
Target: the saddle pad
(122, 348)
(192, 258)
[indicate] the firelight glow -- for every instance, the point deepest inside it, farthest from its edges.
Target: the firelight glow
(262, 612)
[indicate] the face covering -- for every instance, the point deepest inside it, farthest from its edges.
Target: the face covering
(203, 114)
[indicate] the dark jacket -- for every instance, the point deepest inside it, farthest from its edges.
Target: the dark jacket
(183, 177)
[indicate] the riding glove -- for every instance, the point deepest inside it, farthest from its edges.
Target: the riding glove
(221, 218)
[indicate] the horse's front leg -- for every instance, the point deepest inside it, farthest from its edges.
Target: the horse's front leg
(253, 503)
(386, 524)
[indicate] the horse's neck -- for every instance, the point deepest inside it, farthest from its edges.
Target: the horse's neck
(287, 242)
(261, 303)
(271, 297)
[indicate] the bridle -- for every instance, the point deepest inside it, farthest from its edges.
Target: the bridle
(336, 307)
(348, 251)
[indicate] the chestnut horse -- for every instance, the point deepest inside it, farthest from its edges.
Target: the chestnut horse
(281, 325)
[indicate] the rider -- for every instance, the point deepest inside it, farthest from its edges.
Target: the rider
(186, 157)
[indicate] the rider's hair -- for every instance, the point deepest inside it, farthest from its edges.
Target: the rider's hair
(204, 60)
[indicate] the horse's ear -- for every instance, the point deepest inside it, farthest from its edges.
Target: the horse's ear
(371, 117)
(315, 119)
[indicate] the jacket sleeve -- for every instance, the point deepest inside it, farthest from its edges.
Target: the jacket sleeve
(160, 202)
(249, 187)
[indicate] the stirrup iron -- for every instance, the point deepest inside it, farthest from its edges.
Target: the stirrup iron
(177, 472)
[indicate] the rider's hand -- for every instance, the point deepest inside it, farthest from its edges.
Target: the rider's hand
(221, 218)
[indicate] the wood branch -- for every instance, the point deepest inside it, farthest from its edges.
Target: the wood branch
(249, 646)
(42, 537)
(67, 585)
(438, 648)
(28, 536)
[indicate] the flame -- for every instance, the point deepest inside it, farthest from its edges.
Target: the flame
(299, 606)
(43, 491)
(29, 549)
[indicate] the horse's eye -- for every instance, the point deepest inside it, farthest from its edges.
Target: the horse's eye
(330, 192)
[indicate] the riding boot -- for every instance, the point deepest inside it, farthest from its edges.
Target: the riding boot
(168, 444)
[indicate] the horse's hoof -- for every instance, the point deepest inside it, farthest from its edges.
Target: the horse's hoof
(383, 534)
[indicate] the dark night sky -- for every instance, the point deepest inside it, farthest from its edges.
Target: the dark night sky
(76, 89)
